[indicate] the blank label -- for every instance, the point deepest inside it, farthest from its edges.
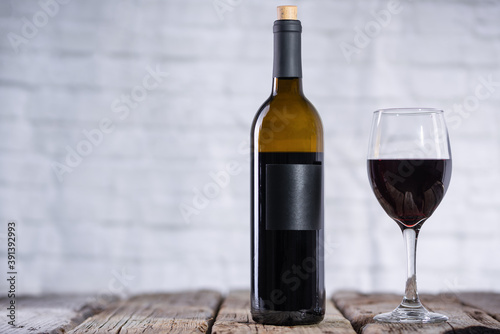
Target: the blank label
(294, 197)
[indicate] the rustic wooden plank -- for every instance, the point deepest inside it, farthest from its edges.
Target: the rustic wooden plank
(360, 309)
(486, 301)
(51, 313)
(234, 317)
(184, 312)
(463, 319)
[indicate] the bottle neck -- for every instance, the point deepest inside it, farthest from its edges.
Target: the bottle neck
(287, 86)
(287, 53)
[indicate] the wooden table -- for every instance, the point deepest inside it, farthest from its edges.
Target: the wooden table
(209, 312)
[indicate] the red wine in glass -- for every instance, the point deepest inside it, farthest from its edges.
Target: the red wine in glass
(409, 190)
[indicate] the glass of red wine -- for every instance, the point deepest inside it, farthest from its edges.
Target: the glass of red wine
(409, 167)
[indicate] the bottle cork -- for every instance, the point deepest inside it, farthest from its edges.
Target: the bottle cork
(287, 12)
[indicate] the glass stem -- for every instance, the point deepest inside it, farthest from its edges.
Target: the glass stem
(411, 295)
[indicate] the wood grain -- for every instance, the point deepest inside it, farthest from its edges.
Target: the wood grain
(194, 312)
(234, 317)
(184, 312)
(486, 301)
(51, 313)
(360, 310)
(463, 318)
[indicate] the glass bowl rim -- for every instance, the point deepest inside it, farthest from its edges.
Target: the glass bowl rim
(416, 110)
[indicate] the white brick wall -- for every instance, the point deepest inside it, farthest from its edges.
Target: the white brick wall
(119, 209)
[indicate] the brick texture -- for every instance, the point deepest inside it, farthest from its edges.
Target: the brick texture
(111, 222)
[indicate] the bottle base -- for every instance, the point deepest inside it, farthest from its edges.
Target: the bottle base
(287, 318)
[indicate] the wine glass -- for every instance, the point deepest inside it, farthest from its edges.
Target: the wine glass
(409, 167)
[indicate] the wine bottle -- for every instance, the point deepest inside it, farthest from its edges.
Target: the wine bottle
(287, 192)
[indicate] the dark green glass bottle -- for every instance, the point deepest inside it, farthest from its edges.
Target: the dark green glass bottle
(287, 192)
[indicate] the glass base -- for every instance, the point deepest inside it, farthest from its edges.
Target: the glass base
(411, 315)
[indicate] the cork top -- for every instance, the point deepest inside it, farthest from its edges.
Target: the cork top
(287, 12)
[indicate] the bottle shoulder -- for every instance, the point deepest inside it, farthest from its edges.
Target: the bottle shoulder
(288, 123)
(297, 109)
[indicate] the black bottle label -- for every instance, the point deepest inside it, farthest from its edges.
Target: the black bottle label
(294, 197)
